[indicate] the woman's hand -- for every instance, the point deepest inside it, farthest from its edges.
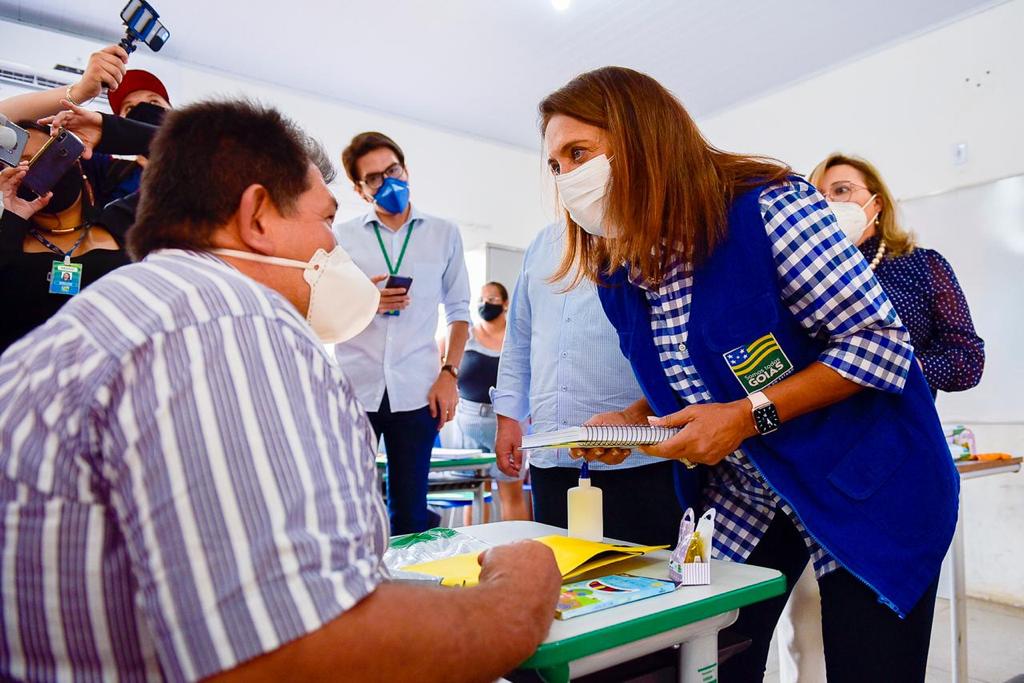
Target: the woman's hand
(86, 124)
(10, 181)
(610, 456)
(105, 68)
(710, 432)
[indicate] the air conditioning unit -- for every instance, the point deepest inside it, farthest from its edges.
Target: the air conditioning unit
(29, 78)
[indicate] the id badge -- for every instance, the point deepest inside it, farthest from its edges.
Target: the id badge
(65, 278)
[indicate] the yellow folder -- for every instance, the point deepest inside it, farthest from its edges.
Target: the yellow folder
(574, 557)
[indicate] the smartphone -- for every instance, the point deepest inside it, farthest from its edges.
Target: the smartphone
(395, 281)
(143, 23)
(52, 161)
(10, 154)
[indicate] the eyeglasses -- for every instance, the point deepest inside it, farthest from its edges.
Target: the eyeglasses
(492, 300)
(842, 191)
(373, 181)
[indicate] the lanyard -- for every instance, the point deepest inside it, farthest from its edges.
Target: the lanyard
(66, 255)
(393, 270)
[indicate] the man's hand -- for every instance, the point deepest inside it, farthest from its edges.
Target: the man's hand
(87, 125)
(610, 456)
(712, 431)
(10, 181)
(529, 571)
(506, 446)
(443, 397)
(393, 299)
(105, 68)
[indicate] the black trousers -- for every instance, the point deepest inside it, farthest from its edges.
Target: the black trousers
(864, 639)
(409, 438)
(640, 504)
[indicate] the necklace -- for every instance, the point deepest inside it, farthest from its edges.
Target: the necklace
(879, 255)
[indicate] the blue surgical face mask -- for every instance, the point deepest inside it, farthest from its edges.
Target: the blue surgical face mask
(393, 195)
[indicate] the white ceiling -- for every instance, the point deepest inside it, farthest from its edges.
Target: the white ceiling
(481, 66)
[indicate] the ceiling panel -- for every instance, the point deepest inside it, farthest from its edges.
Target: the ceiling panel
(481, 66)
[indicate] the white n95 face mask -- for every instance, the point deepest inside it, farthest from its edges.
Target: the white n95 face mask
(851, 218)
(582, 193)
(342, 300)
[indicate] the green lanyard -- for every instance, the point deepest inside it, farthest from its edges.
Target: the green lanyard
(393, 270)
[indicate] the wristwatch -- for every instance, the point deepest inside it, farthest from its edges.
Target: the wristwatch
(766, 417)
(451, 370)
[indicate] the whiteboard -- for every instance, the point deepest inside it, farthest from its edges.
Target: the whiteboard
(980, 231)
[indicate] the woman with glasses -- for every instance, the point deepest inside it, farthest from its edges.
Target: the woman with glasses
(758, 330)
(926, 295)
(475, 424)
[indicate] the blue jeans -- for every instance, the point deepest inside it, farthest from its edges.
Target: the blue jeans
(409, 439)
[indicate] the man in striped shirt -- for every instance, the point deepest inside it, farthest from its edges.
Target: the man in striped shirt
(187, 483)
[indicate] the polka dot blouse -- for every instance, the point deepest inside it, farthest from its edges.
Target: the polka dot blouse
(929, 301)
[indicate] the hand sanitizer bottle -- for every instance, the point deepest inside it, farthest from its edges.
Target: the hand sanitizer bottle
(586, 509)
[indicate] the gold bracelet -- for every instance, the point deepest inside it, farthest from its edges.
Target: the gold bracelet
(69, 98)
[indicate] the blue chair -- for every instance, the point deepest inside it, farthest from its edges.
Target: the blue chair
(445, 503)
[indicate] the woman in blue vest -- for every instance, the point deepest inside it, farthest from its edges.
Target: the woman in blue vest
(754, 324)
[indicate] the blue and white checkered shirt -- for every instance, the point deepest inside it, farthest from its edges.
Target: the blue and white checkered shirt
(186, 480)
(828, 287)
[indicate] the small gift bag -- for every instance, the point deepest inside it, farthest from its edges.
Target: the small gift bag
(690, 564)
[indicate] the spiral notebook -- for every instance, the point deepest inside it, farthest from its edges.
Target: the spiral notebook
(599, 436)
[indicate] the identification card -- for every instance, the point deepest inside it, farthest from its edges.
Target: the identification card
(759, 364)
(65, 278)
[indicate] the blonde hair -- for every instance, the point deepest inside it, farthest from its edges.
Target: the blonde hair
(898, 240)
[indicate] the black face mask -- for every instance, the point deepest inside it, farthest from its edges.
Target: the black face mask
(489, 312)
(145, 112)
(65, 193)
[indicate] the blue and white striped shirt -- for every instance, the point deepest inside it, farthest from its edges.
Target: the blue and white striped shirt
(186, 480)
(828, 287)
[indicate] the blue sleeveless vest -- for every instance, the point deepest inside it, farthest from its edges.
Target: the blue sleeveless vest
(870, 477)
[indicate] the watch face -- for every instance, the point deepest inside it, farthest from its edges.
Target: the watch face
(766, 419)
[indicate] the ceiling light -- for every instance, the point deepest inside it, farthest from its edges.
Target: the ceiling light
(560, 5)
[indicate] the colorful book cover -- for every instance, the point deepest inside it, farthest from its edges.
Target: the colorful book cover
(594, 595)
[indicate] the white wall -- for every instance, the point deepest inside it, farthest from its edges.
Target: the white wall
(492, 190)
(905, 108)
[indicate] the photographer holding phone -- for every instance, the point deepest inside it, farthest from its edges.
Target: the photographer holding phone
(43, 237)
(393, 364)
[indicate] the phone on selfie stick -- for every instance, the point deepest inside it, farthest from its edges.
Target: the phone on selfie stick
(142, 22)
(394, 282)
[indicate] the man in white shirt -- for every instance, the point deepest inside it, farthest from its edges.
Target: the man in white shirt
(393, 364)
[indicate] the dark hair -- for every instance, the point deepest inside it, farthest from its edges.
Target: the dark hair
(363, 144)
(500, 287)
(669, 185)
(201, 161)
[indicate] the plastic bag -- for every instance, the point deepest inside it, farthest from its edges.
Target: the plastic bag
(433, 544)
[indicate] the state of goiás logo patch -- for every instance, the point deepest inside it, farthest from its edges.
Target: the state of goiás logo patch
(759, 364)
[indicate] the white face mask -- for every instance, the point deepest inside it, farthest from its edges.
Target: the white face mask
(342, 300)
(582, 193)
(851, 218)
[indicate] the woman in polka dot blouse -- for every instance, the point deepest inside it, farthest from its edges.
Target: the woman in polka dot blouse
(929, 301)
(920, 282)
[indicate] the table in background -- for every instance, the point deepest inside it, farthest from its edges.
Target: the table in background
(690, 616)
(471, 460)
(969, 469)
